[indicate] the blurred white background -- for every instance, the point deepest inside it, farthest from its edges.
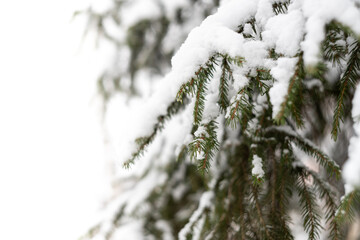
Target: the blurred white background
(51, 147)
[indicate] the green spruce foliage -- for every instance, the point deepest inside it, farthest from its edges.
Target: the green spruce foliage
(233, 202)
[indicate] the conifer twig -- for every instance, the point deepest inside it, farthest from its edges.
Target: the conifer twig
(349, 79)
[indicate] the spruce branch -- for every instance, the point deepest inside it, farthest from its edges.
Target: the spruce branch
(226, 77)
(202, 149)
(261, 76)
(189, 87)
(199, 102)
(326, 192)
(197, 86)
(348, 206)
(309, 208)
(283, 191)
(279, 190)
(308, 147)
(262, 220)
(239, 194)
(239, 110)
(333, 50)
(349, 79)
(280, 7)
(143, 142)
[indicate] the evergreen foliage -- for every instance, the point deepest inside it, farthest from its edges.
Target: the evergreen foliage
(348, 81)
(214, 187)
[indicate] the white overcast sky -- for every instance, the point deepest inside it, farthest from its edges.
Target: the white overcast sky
(51, 147)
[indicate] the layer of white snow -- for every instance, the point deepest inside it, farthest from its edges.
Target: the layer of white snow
(257, 169)
(282, 73)
(284, 32)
